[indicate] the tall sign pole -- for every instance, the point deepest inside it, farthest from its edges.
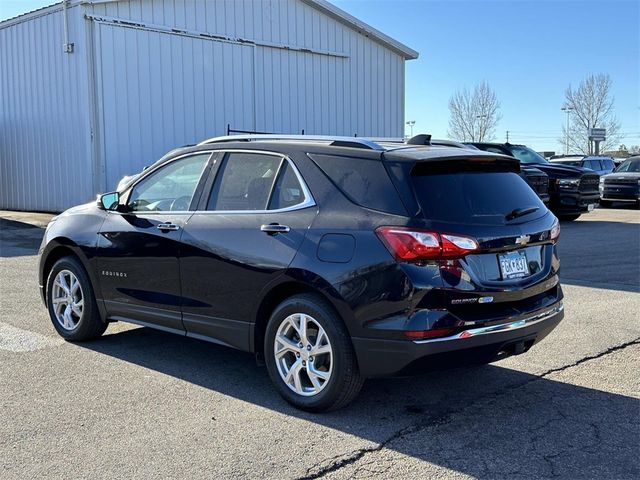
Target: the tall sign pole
(597, 135)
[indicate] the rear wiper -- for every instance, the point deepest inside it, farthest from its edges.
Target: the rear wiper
(520, 212)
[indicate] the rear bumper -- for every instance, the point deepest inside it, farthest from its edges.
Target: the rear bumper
(381, 357)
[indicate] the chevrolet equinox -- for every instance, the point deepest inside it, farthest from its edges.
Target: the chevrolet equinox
(334, 259)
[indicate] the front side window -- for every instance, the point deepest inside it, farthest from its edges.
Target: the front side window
(170, 188)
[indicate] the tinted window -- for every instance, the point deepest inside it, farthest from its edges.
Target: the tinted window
(496, 150)
(171, 187)
(244, 182)
(363, 181)
(475, 197)
(593, 164)
(526, 155)
(629, 166)
(608, 164)
(573, 163)
(287, 191)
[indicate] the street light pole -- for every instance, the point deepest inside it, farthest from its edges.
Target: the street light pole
(568, 111)
(411, 123)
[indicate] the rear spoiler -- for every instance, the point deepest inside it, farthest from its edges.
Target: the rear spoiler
(467, 163)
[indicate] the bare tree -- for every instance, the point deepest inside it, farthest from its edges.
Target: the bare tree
(590, 106)
(474, 116)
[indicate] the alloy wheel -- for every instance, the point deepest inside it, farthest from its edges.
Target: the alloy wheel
(303, 354)
(67, 299)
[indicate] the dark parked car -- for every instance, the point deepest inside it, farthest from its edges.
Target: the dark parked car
(536, 178)
(600, 165)
(333, 259)
(623, 185)
(573, 190)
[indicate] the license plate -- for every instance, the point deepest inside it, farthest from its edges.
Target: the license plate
(513, 265)
(591, 206)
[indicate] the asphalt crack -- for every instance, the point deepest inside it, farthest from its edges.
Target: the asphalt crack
(338, 462)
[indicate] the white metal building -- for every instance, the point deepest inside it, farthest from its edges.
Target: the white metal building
(92, 90)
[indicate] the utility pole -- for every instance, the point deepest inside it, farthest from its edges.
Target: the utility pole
(568, 111)
(507, 136)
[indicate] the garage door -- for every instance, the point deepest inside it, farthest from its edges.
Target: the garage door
(157, 91)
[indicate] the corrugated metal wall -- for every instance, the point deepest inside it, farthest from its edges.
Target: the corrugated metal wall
(351, 85)
(147, 76)
(158, 91)
(45, 158)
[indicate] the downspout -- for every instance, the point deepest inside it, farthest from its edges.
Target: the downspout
(67, 47)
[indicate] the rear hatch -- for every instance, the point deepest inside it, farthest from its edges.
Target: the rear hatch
(484, 200)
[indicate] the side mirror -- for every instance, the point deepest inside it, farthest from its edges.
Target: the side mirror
(108, 201)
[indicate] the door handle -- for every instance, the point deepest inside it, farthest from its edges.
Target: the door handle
(274, 228)
(167, 227)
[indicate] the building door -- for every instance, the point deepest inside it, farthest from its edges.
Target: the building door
(159, 90)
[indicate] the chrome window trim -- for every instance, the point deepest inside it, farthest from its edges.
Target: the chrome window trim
(306, 203)
(152, 170)
(504, 327)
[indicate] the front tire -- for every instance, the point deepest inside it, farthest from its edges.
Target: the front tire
(606, 203)
(309, 355)
(569, 218)
(71, 302)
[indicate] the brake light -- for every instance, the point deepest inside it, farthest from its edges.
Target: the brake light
(411, 245)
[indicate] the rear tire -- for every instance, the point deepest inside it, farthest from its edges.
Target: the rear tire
(71, 302)
(320, 375)
(606, 203)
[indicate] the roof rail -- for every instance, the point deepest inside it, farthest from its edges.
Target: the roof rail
(354, 142)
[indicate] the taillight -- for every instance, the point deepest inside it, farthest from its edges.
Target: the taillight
(411, 245)
(555, 231)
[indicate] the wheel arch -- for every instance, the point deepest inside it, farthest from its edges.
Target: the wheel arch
(289, 287)
(64, 247)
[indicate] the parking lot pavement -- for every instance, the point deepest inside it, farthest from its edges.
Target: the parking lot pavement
(139, 403)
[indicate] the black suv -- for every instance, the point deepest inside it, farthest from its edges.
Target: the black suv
(333, 259)
(573, 190)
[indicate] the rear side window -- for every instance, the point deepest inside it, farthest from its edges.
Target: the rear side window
(475, 197)
(244, 182)
(363, 181)
(287, 191)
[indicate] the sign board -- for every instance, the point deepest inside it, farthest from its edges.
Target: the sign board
(598, 134)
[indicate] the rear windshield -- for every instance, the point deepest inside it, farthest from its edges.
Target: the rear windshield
(573, 163)
(475, 197)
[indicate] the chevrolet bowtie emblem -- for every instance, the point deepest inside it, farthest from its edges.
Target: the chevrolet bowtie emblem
(523, 240)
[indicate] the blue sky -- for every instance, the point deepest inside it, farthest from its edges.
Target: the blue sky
(528, 51)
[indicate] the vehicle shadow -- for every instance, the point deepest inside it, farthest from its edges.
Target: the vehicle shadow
(484, 422)
(602, 254)
(19, 239)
